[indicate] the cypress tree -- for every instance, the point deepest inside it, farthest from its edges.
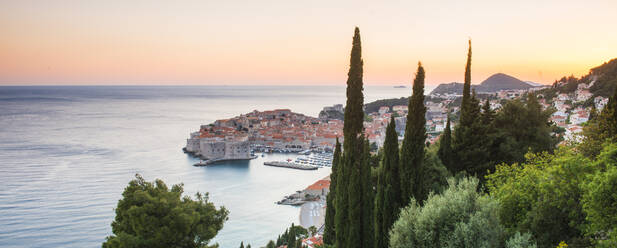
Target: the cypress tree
(470, 154)
(368, 198)
(329, 235)
(388, 199)
(466, 119)
(412, 150)
(349, 204)
(291, 238)
(445, 145)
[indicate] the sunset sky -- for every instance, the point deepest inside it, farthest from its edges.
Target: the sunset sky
(298, 42)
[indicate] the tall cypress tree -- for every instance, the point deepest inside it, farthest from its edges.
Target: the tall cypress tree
(349, 204)
(412, 150)
(445, 145)
(329, 235)
(466, 119)
(291, 239)
(469, 153)
(388, 199)
(368, 198)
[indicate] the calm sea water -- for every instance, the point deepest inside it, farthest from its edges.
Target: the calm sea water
(66, 154)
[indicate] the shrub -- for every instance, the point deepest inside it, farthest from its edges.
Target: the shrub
(459, 217)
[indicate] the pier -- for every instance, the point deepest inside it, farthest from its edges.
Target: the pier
(290, 165)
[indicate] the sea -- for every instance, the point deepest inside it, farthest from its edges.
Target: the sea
(67, 153)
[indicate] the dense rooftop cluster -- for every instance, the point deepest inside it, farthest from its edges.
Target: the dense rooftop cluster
(279, 128)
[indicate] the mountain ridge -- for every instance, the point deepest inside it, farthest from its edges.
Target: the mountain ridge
(494, 83)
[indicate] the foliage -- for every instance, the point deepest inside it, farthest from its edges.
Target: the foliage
(469, 145)
(445, 146)
(600, 129)
(291, 236)
(271, 244)
(388, 196)
(542, 196)
(412, 150)
(459, 217)
(354, 187)
(600, 200)
(435, 173)
(329, 235)
(152, 215)
(520, 128)
(519, 240)
(605, 78)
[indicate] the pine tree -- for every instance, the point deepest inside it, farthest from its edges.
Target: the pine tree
(388, 199)
(242, 244)
(329, 235)
(445, 145)
(349, 198)
(412, 150)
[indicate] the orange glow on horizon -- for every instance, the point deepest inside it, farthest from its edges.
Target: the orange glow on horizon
(201, 42)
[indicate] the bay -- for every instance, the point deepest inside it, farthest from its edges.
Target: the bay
(67, 152)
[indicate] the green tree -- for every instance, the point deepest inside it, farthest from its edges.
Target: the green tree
(291, 238)
(459, 217)
(312, 230)
(271, 244)
(388, 199)
(600, 200)
(488, 115)
(435, 173)
(241, 244)
(600, 129)
(329, 235)
(521, 241)
(445, 146)
(350, 202)
(412, 149)
(368, 197)
(152, 215)
(470, 155)
(520, 128)
(543, 196)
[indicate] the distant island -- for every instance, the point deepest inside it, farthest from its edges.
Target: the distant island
(492, 84)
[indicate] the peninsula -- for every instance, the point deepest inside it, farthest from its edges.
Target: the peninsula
(278, 130)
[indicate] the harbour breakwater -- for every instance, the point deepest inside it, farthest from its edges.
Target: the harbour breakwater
(290, 165)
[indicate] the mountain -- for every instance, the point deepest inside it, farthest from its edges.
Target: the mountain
(451, 88)
(492, 84)
(501, 81)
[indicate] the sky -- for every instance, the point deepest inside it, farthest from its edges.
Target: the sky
(282, 42)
